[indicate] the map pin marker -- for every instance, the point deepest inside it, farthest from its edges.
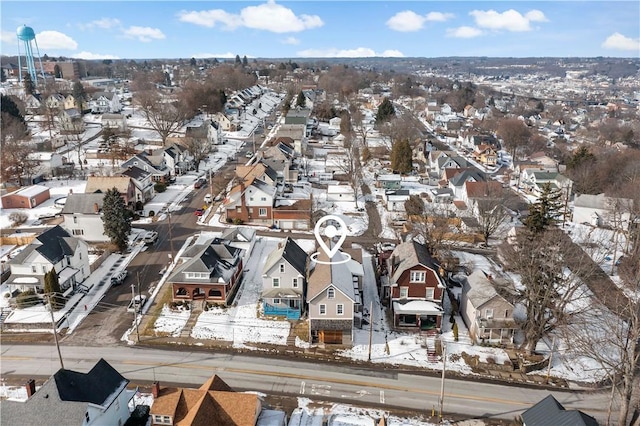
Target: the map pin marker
(330, 232)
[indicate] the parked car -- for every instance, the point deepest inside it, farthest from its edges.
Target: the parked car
(119, 277)
(249, 154)
(208, 199)
(150, 237)
(199, 212)
(219, 197)
(199, 183)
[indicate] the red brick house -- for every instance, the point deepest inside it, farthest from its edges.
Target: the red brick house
(415, 289)
(26, 198)
(208, 270)
(251, 201)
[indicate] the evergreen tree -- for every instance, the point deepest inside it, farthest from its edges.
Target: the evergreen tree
(401, 157)
(245, 62)
(238, 61)
(385, 111)
(301, 101)
(79, 94)
(193, 62)
(57, 72)
(223, 98)
(116, 218)
(10, 107)
(29, 85)
(545, 212)
(580, 157)
(52, 288)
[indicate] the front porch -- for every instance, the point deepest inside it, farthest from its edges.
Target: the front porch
(420, 315)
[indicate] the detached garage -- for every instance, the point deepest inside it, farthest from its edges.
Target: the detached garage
(26, 198)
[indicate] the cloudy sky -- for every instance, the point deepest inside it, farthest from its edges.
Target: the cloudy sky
(292, 29)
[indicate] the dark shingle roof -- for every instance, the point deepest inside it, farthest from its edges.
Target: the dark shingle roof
(550, 412)
(51, 244)
(95, 387)
(83, 203)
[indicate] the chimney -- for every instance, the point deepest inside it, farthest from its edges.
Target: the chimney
(70, 190)
(155, 389)
(31, 387)
(96, 208)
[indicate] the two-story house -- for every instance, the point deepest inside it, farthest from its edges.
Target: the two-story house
(251, 201)
(416, 290)
(204, 134)
(105, 103)
(116, 122)
(55, 101)
(143, 184)
(208, 270)
(284, 281)
(331, 299)
(177, 159)
(70, 121)
(488, 315)
(98, 397)
(82, 214)
(54, 248)
(153, 163)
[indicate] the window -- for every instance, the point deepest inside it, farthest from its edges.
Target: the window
(404, 292)
(33, 268)
(239, 210)
(276, 282)
(75, 219)
(166, 419)
(430, 293)
(340, 309)
(87, 418)
(331, 293)
(488, 313)
(262, 212)
(44, 268)
(77, 231)
(276, 301)
(263, 198)
(282, 268)
(323, 309)
(294, 283)
(506, 313)
(417, 277)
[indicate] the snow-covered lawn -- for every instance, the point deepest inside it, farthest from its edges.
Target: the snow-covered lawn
(171, 321)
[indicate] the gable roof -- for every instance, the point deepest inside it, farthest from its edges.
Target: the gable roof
(290, 251)
(484, 189)
(336, 274)
(467, 174)
(64, 398)
(53, 244)
(550, 412)
(105, 183)
(214, 403)
(409, 254)
(479, 289)
(215, 257)
(83, 203)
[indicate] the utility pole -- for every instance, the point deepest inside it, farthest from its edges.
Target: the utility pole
(211, 184)
(370, 328)
(55, 331)
(170, 236)
(444, 367)
(135, 309)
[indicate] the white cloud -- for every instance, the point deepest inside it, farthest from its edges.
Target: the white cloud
(618, 41)
(214, 55)
(291, 40)
(406, 21)
(510, 20)
(144, 34)
(360, 52)
(268, 16)
(55, 40)
(92, 56)
(8, 37)
(438, 16)
(464, 32)
(104, 23)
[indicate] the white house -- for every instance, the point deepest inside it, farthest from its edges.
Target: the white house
(105, 102)
(114, 121)
(395, 199)
(82, 214)
(54, 248)
(600, 210)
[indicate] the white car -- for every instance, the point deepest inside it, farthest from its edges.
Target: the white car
(208, 199)
(150, 237)
(137, 303)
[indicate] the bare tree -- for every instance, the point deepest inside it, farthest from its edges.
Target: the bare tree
(553, 271)
(163, 115)
(350, 166)
(14, 151)
(403, 127)
(491, 205)
(435, 229)
(514, 133)
(198, 148)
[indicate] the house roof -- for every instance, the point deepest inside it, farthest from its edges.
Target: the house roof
(64, 398)
(53, 244)
(136, 173)
(409, 254)
(468, 174)
(214, 403)
(105, 183)
(479, 289)
(602, 202)
(487, 189)
(83, 203)
(30, 191)
(336, 274)
(292, 253)
(550, 412)
(216, 258)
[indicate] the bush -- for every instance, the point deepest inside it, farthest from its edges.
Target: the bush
(455, 331)
(18, 218)
(160, 187)
(27, 299)
(229, 220)
(152, 213)
(238, 221)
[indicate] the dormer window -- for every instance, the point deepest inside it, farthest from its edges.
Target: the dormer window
(331, 293)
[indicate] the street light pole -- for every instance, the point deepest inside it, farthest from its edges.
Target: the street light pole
(55, 331)
(170, 235)
(444, 367)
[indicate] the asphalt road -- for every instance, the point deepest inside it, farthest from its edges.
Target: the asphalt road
(377, 386)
